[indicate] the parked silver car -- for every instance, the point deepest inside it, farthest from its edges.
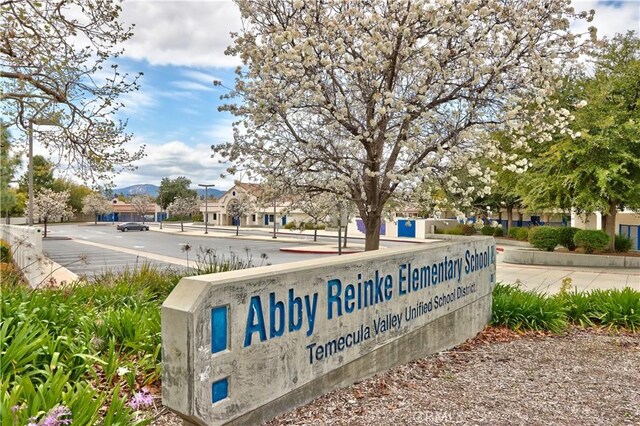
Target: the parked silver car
(132, 226)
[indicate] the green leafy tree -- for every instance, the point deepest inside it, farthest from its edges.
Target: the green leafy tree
(57, 65)
(77, 192)
(42, 175)
(8, 165)
(170, 189)
(595, 166)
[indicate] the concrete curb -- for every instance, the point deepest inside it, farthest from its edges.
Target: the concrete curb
(533, 257)
(328, 250)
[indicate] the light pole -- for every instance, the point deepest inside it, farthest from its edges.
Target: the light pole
(206, 206)
(37, 122)
(274, 218)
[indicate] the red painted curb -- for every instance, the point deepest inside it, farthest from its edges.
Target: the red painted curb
(344, 251)
(499, 249)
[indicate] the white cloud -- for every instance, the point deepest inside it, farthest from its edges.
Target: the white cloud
(185, 33)
(219, 132)
(192, 85)
(610, 17)
(138, 101)
(173, 159)
(201, 77)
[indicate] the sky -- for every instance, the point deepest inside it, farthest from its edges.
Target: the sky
(179, 46)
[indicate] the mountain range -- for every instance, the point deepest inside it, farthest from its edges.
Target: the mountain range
(152, 190)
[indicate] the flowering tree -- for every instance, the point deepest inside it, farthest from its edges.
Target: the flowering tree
(369, 98)
(142, 204)
(55, 67)
(96, 204)
(237, 208)
(320, 208)
(183, 206)
(50, 205)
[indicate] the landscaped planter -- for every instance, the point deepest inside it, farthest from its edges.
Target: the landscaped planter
(537, 257)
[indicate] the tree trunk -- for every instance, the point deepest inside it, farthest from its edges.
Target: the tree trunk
(609, 224)
(315, 234)
(181, 226)
(45, 227)
(238, 227)
(509, 217)
(372, 227)
(95, 219)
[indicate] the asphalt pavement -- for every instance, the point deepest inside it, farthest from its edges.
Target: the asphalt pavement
(88, 249)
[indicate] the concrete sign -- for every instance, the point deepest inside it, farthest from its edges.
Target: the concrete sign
(241, 347)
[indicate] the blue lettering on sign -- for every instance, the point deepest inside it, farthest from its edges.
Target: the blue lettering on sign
(255, 321)
(357, 295)
(291, 313)
(298, 309)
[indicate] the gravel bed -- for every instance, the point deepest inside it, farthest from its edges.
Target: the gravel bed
(499, 378)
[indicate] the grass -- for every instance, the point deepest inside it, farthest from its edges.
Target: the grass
(527, 310)
(616, 310)
(89, 353)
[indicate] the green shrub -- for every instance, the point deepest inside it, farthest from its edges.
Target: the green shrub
(468, 230)
(311, 226)
(623, 243)
(454, 231)
(498, 231)
(87, 349)
(579, 307)
(461, 230)
(5, 252)
(520, 234)
(565, 237)
(544, 238)
(617, 308)
(291, 225)
(487, 230)
(591, 240)
(526, 310)
(531, 232)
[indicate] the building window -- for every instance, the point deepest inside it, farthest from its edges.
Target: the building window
(215, 216)
(253, 218)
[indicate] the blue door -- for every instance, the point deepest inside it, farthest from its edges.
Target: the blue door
(406, 228)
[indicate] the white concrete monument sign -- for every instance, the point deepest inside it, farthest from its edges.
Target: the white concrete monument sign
(241, 347)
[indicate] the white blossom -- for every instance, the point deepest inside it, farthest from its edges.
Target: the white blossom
(377, 104)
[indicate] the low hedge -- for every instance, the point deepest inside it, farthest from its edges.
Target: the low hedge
(487, 230)
(461, 230)
(623, 243)
(591, 240)
(544, 237)
(566, 237)
(520, 234)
